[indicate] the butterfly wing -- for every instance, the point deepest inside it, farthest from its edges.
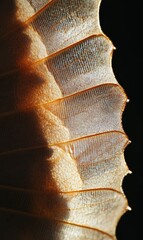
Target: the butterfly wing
(62, 141)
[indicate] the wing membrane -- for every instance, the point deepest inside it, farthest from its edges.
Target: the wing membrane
(62, 139)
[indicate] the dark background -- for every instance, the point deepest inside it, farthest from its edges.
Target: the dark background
(121, 22)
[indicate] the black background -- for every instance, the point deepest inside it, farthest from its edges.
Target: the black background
(121, 22)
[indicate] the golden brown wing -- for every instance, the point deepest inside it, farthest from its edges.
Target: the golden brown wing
(61, 136)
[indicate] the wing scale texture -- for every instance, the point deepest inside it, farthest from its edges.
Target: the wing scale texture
(61, 136)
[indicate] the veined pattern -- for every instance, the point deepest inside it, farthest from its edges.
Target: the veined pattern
(61, 136)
